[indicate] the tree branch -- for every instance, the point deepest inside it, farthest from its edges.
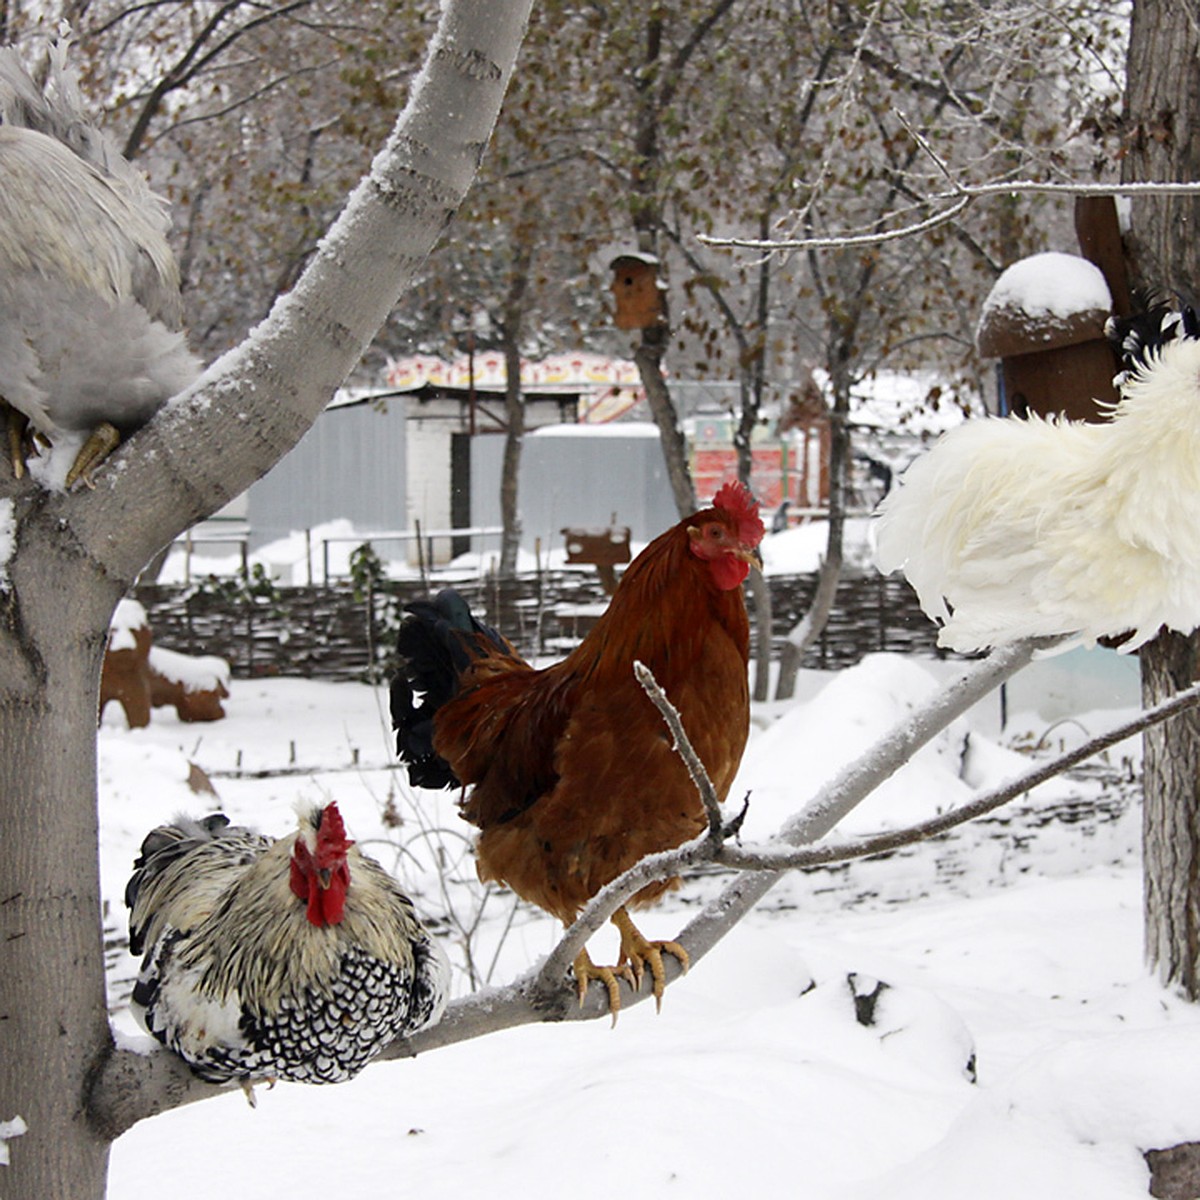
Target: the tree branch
(957, 201)
(768, 858)
(254, 403)
(130, 1086)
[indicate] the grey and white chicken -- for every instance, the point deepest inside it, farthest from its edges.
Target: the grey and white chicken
(297, 959)
(90, 307)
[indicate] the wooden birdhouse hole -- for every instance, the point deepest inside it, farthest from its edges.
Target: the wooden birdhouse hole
(635, 290)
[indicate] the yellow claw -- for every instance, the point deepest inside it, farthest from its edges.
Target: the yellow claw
(637, 952)
(103, 440)
(586, 971)
(16, 423)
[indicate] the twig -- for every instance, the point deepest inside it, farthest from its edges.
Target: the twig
(923, 143)
(958, 199)
(683, 746)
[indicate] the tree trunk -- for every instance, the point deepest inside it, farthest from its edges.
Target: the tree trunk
(648, 357)
(646, 211)
(1163, 130)
(1171, 816)
(1162, 115)
(73, 555)
(760, 592)
(53, 1013)
(514, 407)
(813, 622)
(510, 470)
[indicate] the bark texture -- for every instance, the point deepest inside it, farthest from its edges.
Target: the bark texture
(1171, 817)
(1162, 112)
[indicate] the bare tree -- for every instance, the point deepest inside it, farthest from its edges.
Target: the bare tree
(73, 555)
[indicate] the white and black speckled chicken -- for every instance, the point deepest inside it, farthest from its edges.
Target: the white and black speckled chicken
(1012, 529)
(90, 306)
(297, 959)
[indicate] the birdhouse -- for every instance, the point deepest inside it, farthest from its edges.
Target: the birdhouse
(1044, 319)
(635, 289)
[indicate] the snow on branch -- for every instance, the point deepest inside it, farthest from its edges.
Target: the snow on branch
(956, 201)
(8, 1131)
(771, 858)
(948, 204)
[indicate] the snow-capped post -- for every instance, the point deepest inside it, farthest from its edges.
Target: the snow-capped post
(68, 557)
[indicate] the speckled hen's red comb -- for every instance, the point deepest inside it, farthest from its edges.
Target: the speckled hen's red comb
(738, 501)
(331, 832)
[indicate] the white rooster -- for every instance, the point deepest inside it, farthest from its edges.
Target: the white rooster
(296, 959)
(1012, 529)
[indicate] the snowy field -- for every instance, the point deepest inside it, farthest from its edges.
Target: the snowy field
(1018, 1050)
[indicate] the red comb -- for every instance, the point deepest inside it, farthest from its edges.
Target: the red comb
(331, 833)
(738, 501)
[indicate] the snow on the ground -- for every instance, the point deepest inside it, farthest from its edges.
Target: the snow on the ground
(1018, 1048)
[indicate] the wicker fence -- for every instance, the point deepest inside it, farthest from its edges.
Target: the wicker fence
(333, 633)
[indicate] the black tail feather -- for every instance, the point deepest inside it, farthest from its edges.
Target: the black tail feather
(1138, 337)
(438, 640)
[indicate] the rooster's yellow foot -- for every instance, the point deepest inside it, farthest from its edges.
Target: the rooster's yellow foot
(637, 953)
(586, 971)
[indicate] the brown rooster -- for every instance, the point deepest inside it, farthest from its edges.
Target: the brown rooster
(295, 959)
(574, 778)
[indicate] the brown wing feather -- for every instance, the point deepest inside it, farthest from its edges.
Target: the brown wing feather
(499, 734)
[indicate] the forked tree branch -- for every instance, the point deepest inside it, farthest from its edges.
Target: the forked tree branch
(948, 205)
(132, 1086)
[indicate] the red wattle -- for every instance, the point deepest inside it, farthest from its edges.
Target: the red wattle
(729, 572)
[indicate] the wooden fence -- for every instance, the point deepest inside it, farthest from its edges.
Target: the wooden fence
(331, 633)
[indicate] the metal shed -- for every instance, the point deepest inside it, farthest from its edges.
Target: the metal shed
(351, 464)
(579, 476)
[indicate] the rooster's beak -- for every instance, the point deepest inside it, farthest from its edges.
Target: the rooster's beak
(324, 875)
(752, 556)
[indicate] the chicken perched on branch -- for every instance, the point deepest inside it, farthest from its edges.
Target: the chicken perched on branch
(572, 773)
(90, 306)
(1012, 529)
(296, 959)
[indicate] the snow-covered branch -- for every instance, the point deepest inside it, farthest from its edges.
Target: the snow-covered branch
(131, 1086)
(951, 204)
(255, 402)
(772, 858)
(543, 993)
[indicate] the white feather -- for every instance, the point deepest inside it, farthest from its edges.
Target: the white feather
(1009, 529)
